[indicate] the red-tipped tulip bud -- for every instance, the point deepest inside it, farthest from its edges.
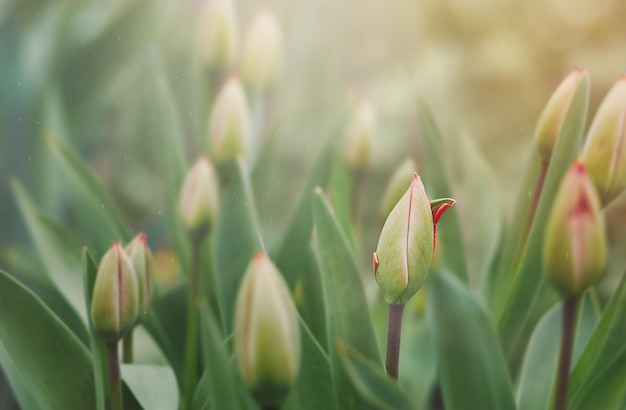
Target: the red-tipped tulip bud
(199, 199)
(405, 247)
(267, 336)
(230, 127)
(397, 186)
(553, 115)
(218, 33)
(360, 136)
(141, 258)
(115, 300)
(574, 250)
(604, 154)
(263, 51)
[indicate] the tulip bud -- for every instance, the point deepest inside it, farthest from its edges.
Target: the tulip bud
(230, 127)
(360, 135)
(552, 117)
(397, 186)
(217, 34)
(115, 301)
(141, 258)
(604, 154)
(405, 247)
(199, 198)
(263, 51)
(574, 250)
(267, 336)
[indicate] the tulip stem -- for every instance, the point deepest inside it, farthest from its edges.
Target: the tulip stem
(394, 329)
(114, 376)
(191, 351)
(570, 306)
(127, 346)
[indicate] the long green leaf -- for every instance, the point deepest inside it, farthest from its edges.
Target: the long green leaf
(153, 386)
(472, 370)
(530, 295)
(607, 390)
(54, 363)
(347, 313)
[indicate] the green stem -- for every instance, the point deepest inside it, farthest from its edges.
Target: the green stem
(570, 306)
(394, 329)
(114, 376)
(191, 351)
(127, 348)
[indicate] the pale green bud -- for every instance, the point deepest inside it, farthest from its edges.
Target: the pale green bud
(396, 187)
(553, 115)
(230, 127)
(263, 51)
(574, 250)
(218, 33)
(267, 336)
(141, 258)
(199, 198)
(115, 300)
(360, 136)
(604, 154)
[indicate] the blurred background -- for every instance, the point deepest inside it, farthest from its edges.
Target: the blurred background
(87, 71)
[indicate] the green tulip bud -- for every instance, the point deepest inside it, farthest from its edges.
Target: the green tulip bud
(574, 250)
(267, 336)
(199, 201)
(263, 51)
(553, 115)
(115, 300)
(604, 154)
(360, 135)
(396, 186)
(405, 247)
(141, 258)
(218, 33)
(230, 129)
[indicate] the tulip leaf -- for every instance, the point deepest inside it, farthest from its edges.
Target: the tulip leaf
(530, 295)
(341, 192)
(472, 370)
(370, 380)
(347, 312)
(437, 185)
(51, 360)
(418, 362)
(607, 389)
(153, 386)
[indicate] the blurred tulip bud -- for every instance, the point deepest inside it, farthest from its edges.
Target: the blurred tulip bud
(263, 51)
(360, 135)
(405, 247)
(199, 201)
(115, 300)
(553, 115)
(574, 250)
(230, 127)
(267, 336)
(604, 154)
(141, 258)
(218, 33)
(397, 186)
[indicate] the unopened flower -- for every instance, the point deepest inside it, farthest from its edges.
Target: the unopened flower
(141, 258)
(115, 300)
(405, 247)
(263, 51)
(604, 154)
(360, 136)
(218, 33)
(199, 201)
(574, 250)
(230, 128)
(396, 187)
(267, 336)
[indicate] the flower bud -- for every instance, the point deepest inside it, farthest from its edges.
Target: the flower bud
(267, 336)
(115, 300)
(405, 247)
(397, 186)
(604, 154)
(263, 51)
(360, 135)
(199, 198)
(553, 116)
(574, 250)
(141, 258)
(217, 33)
(230, 127)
